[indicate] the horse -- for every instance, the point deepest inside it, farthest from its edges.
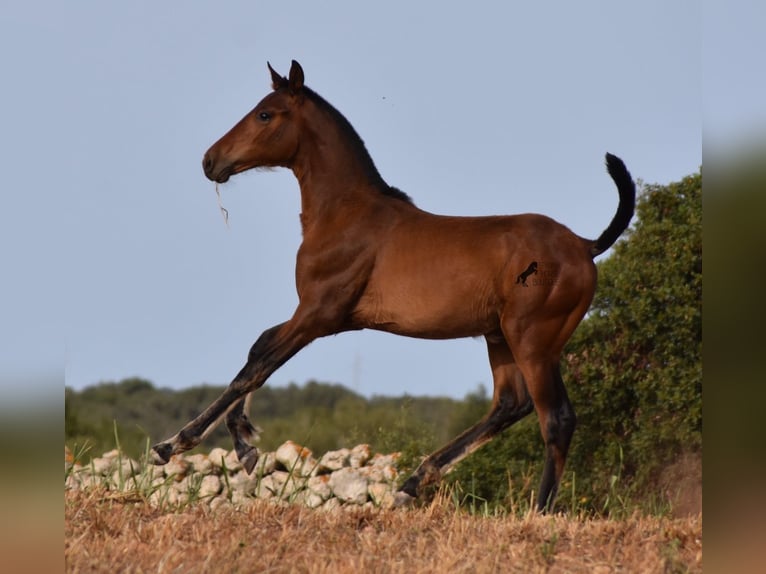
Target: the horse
(371, 259)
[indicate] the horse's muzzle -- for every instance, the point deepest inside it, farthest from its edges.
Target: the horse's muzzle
(219, 174)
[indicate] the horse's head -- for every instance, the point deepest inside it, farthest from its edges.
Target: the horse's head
(266, 137)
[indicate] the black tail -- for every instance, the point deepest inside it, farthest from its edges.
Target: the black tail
(627, 190)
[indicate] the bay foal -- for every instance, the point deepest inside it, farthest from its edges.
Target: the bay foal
(370, 259)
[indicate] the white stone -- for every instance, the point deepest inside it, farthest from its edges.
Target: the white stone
(125, 483)
(154, 471)
(385, 460)
(221, 458)
(344, 478)
(240, 499)
(308, 498)
(296, 459)
(175, 497)
(210, 486)
(176, 467)
(381, 495)
(372, 473)
(274, 482)
(379, 473)
(217, 457)
(359, 455)
(349, 485)
(232, 462)
(333, 460)
(183, 485)
(71, 483)
(263, 493)
(267, 463)
(293, 486)
(218, 502)
(331, 505)
(200, 463)
(281, 484)
(127, 467)
(243, 482)
(102, 465)
(320, 485)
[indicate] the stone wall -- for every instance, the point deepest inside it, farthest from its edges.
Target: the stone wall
(291, 474)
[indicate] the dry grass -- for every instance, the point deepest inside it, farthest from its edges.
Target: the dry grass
(111, 534)
(224, 211)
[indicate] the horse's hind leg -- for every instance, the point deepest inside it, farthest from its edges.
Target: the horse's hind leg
(510, 403)
(557, 424)
(540, 364)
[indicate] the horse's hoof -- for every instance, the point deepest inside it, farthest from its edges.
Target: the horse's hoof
(403, 500)
(161, 453)
(249, 459)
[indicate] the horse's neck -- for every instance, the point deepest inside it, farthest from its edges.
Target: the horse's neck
(332, 179)
(325, 200)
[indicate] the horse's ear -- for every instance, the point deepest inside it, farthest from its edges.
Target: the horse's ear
(277, 81)
(296, 77)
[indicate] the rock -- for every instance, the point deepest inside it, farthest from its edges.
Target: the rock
(283, 485)
(333, 460)
(218, 502)
(217, 457)
(385, 460)
(241, 500)
(344, 478)
(267, 463)
(221, 458)
(243, 482)
(199, 463)
(177, 467)
(388, 464)
(308, 499)
(381, 495)
(274, 482)
(331, 505)
(82, 479)
(359, 455)
(232, 462)
(184, 485)
(158, 482)
(153, 471)
(101, 466)
(380, 473)
(125, 468)
(210, 486)
(349, 485)
(175, 497)
(320, 485)
(296, 459)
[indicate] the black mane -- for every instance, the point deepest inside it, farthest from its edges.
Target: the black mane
(360, 151)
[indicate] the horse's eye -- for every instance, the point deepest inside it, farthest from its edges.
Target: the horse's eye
(264, 116)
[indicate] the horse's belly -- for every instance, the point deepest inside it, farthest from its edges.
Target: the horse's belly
(436, 310)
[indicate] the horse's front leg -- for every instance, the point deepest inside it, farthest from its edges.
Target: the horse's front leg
(272, 349)
(243, 433)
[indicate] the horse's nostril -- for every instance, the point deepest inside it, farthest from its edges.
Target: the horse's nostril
(207, 163)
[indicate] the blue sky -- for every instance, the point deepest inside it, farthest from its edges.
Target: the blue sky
(117, 260)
